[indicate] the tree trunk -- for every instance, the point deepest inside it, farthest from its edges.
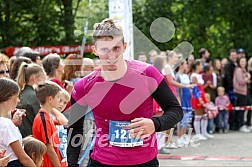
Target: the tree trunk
(68, 21)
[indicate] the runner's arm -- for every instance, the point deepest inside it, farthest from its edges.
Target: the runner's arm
(168, 102)
(76, 119)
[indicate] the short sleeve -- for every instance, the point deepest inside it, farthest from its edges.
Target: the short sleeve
(191, 77)
(11, 133)
(78, 93)
(154, 75)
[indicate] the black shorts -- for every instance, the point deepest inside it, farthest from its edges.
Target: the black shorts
(15, 163)
(152, 163)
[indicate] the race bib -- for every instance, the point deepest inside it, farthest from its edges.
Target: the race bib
(119, 136)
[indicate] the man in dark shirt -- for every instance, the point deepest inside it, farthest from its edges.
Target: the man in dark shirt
(228, 84)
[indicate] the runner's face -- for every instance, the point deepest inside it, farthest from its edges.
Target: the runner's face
(110, 51)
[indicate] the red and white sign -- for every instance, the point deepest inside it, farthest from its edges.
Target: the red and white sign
(45, 50)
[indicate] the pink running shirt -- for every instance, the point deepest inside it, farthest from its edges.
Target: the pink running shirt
(121, 100)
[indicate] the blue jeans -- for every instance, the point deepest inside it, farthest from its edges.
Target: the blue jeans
(210, 125)
(223, 119)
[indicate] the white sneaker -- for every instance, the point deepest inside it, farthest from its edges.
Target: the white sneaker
(209, 136)
(164, 151)
(200, 137)
(171, 146)
(183, 141)
(244, 129)
(249, 128)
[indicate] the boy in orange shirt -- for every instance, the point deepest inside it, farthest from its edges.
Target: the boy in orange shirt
(43, 127)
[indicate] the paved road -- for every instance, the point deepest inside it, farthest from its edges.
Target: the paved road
(231, 149)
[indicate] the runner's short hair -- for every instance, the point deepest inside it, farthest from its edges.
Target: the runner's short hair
(107, 28)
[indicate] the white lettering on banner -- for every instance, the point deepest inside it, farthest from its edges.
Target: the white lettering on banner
(65, 49)
(57, 49)
(45, 50)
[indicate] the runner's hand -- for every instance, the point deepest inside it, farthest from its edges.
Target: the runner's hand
(141, 128)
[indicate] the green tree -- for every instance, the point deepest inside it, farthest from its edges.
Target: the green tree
(47, 22)
(216, 25)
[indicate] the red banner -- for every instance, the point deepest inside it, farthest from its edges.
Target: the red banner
(45, 50)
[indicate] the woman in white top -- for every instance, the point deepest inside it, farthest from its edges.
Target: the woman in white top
(10, 137)
(173, 59)
(183, 95)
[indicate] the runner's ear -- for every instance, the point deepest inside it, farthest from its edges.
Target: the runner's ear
(124, 45)
(94, 50)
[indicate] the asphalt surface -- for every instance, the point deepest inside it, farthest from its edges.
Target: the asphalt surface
(231, 149)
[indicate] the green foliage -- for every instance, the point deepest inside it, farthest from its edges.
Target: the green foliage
(29, 23)
(47, 22)
(216, 25)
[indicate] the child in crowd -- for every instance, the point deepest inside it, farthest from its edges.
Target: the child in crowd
(35, 149)
(10, 137)
(198, 100)
(222, 102)
(211, 111)
(43, 127)
(58, 117)
(64, 99)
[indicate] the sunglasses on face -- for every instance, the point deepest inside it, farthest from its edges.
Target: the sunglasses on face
(4, 71)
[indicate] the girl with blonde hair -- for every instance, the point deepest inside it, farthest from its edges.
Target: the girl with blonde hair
(29, 75)
(35, 149)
